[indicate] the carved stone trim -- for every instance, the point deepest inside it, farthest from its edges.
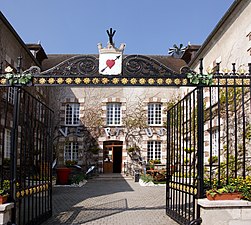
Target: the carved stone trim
(78, 65)
(144, 65)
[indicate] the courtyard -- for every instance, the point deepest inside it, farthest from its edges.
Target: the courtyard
(109, 199)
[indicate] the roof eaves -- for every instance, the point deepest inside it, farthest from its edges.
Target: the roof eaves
(215, 30)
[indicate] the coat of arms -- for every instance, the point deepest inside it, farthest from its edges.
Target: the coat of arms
(110, 58)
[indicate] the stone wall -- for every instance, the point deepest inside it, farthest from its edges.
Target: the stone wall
(225, 212)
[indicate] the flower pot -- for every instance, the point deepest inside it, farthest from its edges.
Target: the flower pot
(3, 199)
(63, 175)
(225, 196)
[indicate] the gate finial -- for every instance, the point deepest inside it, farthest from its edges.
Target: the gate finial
(111, 34)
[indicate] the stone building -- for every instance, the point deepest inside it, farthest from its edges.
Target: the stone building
(228, 43)
(11, 48)
(112, 127)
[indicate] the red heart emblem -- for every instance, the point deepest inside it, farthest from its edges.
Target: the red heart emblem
(110, 63)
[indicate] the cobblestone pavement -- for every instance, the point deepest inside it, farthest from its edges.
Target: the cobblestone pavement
(109, 202)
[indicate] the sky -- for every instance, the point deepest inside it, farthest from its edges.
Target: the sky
(147, 27)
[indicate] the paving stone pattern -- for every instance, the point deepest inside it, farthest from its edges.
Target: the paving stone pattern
(109, 202)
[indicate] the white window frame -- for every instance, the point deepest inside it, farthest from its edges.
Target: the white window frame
(72, 117)
(7, 143)
(113, 114)
(71, 151)
(214, 95)
(154, 150)
(154, 114)
(40, 109)
(10, 95)
(215, 142)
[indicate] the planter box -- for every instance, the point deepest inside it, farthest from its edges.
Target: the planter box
(225, 196)
(3, 199)
(63, 175)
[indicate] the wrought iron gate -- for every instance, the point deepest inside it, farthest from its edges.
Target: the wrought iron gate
(208, 143)
(26, 147)
(182, 159)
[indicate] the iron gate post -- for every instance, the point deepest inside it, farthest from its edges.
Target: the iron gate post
(168, 164)
(14, 144)
(14, 135)
(200, 121)
(200, 125)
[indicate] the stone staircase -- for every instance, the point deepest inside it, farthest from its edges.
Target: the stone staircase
(112, 176)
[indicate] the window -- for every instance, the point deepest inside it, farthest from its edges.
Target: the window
(214, 95)
(7, 143)
(71, 151)
(153, 150)
(215, 142)
(113, 116)
(40, 109)
(10, 97)
(72, 114)
(154, 114)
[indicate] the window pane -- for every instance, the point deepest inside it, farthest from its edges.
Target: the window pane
(113, 116)
(11, 95)
(75, 151)
(153, 150)
(215, 142)
(154, 114)
(71, 151)
(72, 114)
(67, 152)
(7, 143)
(214, 95)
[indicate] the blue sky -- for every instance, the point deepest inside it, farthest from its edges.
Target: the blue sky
(148, 27)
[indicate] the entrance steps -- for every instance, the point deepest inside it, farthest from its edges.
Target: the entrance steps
(112, 176)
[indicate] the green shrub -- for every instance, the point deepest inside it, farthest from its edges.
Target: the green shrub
(76, 179)
(70, 162)
(146, 178)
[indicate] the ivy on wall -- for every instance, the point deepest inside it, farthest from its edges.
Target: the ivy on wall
(22, 79)
(206, 79)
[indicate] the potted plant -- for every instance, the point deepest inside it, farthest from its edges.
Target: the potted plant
(227, 192)
(157, 161)
(236, 188)
(3, 196)
(70, 163)
(151, 164)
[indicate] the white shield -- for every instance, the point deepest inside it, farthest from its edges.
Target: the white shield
(110, 63)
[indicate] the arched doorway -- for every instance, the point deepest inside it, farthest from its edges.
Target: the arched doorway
(112, 156)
